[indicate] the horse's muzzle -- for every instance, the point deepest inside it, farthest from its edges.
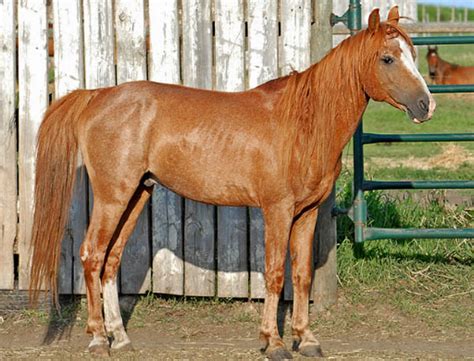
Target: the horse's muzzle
(423, 109)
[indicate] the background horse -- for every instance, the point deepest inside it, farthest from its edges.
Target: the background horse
(277, 147)
(442, 72)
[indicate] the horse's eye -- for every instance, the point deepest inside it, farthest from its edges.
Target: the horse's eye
(387, 59)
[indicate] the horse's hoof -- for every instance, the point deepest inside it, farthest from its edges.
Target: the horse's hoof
(122, 346)
(101, 350)
(279, 354)
(311, 351)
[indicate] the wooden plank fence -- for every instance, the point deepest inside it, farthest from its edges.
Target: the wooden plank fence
(179, 246)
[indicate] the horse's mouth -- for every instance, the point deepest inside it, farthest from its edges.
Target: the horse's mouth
(412, 117)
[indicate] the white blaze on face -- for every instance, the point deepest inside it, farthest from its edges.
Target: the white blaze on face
(409, 63)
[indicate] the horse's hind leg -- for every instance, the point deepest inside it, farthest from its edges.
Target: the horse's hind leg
(105, 218)
(301, 249)
(278, 220)
(113, 319)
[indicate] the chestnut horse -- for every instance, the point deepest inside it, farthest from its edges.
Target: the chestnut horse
(277, 147)
(442, 72)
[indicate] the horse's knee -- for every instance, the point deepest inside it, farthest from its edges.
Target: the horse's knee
(301, 281)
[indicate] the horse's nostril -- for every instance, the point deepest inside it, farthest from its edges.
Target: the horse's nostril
(423, 106)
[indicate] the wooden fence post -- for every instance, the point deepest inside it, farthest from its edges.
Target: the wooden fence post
(68, 76)
(167, 207)
(294, 55)
(325, 276)
(8, 173)
(99, 72)
(232, 273)
(199, 234)
(33, 101)
(263, 66)
(135, 273)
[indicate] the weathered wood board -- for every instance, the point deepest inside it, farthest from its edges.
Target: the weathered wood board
(262, 66)
(135, 270)
(99, 71)
(33, 101)
(294, 55)
(232, 275)
(167, 207)
(199, 226)
(8, 134)
(69, 75)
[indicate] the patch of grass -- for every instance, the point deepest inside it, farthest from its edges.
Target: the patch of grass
(430, 281)
(445, 13)
(463, 172)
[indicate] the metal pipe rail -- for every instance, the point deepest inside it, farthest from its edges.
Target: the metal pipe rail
(379, 185)
(372, 138)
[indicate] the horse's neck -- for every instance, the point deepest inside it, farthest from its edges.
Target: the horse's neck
(339, 102)
(342, 100)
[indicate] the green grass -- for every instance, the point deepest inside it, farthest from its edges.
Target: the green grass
(445, 13)
(427, 281)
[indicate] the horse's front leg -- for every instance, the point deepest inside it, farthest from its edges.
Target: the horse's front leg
(301, 249)
(278, 220)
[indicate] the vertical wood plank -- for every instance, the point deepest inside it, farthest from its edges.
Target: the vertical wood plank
(69, 75)
(8, 173)
(99, 72)
(199, 237)
(131, 65)
(325, 274)
(33, 101)
(232, 273)
(262, 67)
(295, 35)
(294, 55)
(167, 207)
(99, 43)
(321, 31)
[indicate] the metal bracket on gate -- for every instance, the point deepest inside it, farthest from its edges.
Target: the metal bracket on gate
(351, 18)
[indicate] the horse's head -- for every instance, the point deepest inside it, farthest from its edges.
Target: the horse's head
(432, 58)
(391, 73)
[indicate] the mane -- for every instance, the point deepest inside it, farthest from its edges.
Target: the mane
(310, 105)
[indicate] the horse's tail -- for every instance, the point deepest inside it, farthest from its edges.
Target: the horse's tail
(56, 159)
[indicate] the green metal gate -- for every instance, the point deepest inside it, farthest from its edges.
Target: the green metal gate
(358, 211)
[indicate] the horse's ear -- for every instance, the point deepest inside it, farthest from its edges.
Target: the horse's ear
(393, 16)
(374, 21)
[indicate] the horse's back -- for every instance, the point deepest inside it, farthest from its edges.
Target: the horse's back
(457, 74)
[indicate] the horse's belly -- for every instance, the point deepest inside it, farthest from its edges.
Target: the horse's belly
(206, 177)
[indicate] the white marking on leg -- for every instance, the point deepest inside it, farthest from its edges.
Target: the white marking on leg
(113, 319)
(84, 256)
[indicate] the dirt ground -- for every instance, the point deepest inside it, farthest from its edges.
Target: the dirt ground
(218, 330)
